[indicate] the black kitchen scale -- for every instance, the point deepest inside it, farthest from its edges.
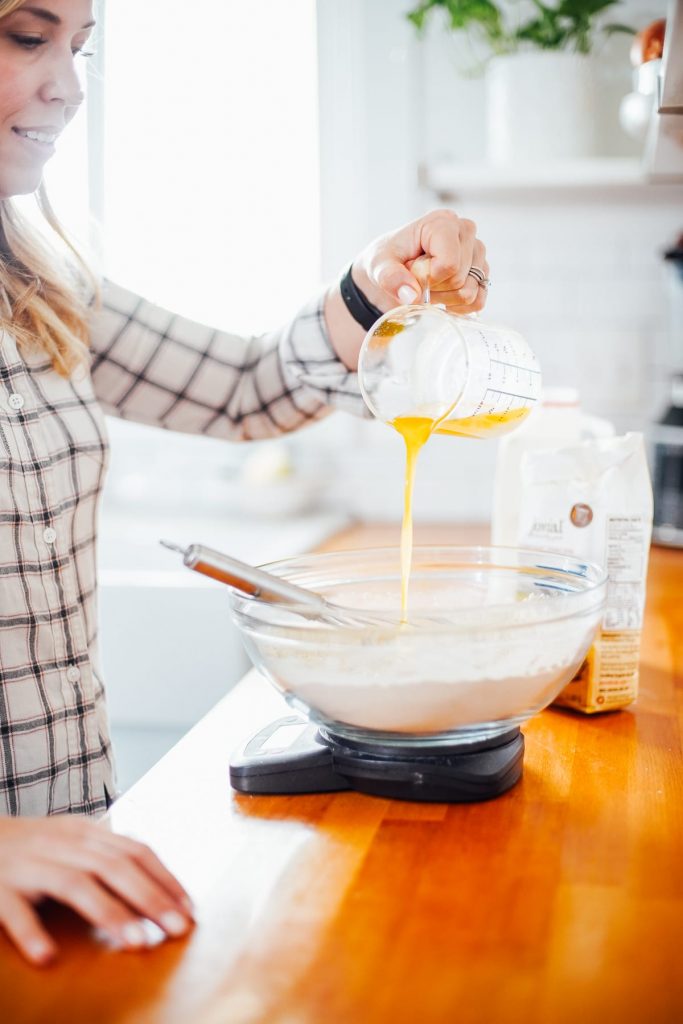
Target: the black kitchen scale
(291, 755)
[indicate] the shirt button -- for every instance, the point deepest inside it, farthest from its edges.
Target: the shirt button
(49, 535)
(73, 674)
(16, 401)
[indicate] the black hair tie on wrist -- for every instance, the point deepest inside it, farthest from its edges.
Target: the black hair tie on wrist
(358, 305)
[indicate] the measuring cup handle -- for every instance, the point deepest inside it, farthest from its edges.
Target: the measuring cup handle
(421, 268)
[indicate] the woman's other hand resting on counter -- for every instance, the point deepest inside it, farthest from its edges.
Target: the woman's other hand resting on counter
(113, 882)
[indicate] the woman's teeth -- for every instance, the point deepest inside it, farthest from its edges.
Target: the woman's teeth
(37, 136)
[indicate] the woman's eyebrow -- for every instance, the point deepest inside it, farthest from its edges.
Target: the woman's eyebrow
(54, 19)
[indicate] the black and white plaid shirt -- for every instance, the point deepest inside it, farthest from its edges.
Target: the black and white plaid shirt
(153, 367)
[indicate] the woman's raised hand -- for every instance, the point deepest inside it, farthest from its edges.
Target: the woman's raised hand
(439, 249)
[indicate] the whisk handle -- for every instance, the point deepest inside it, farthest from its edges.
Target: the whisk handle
(248, 578)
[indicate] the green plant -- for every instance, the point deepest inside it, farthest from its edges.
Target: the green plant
(566, 25)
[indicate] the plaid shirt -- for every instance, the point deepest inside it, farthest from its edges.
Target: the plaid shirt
(150, 366)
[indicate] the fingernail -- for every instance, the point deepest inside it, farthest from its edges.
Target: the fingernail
(40, 951)
(407, 294)
(187, 904)
(134, 935)
(174, 923)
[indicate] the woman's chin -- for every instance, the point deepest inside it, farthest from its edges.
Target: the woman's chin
(19, 184)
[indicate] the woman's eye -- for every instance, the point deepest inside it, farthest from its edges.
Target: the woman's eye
(33, 42)
(28, 42)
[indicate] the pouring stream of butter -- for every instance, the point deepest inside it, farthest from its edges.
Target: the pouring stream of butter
(416, 431)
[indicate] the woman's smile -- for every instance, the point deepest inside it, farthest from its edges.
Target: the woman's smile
(39, 141)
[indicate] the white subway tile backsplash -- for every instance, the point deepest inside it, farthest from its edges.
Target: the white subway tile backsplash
(612, 371)
(620, 301)
(662, 351)
(454, 480)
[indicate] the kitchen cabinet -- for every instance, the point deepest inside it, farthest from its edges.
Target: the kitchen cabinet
(560, 901)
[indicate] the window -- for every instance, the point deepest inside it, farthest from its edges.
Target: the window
(203, 135)
(211, 156)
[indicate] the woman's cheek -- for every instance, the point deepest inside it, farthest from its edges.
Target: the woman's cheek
(14, 89)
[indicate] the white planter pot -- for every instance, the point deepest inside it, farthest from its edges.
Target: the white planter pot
(540, 106)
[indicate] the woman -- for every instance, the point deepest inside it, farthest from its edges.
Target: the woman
(64, 358)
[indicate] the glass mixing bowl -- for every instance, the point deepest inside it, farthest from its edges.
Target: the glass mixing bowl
(493, 634)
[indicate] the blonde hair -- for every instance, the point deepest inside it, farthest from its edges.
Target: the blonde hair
(43, 298)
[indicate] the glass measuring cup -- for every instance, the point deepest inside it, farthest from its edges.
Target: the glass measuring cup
(455, 373)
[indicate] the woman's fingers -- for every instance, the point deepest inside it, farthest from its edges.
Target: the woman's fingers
(86, 846)
(151, 864)
(392, 267)
(452, 249)
(472, 294)
(24, 929)
(97, 838)
(112, 881)
(135, 875)
(139, 890)
(394, 278)
(449, 240)
(89, 898)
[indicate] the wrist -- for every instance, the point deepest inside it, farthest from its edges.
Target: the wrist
(357, 303)
(373, 293)
(344, 333)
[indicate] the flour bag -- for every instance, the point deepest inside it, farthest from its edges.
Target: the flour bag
(594, 501)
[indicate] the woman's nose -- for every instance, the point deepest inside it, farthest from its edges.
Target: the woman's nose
(63, 85)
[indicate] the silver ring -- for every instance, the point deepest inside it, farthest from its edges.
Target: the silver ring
(477, 273)
(479, 276)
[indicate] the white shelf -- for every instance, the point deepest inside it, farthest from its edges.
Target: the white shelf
(451, 179)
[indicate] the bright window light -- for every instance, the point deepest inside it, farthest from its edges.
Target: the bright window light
(211, 156)
(204, 168)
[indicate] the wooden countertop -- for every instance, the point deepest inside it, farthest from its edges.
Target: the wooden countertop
(560, 901)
